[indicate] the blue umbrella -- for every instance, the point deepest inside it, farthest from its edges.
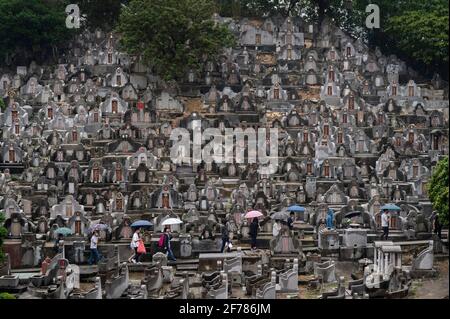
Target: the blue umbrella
(141, 223)
(296, 208)
(390, 207)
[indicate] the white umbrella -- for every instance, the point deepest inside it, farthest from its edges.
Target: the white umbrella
(171, 221)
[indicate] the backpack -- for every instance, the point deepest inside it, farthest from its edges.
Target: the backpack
(161, 241)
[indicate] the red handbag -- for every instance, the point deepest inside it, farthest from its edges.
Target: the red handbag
(141, 247)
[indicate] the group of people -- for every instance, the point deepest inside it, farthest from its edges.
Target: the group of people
(137, 245)
(253, 231)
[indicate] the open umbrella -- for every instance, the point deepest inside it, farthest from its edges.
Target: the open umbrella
(390, 207)
(283, 215)
(296, 208)
(64, 231)
(142, 223)
(253, 214)
(99, 226)
(171, 221)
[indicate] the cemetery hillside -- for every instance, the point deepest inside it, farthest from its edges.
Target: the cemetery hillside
(224, 149)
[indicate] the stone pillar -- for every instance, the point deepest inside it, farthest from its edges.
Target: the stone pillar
(273, 278)
(144, 292)
(295, 266)
(375, 258)
(61, 246)
(98, 285)
(386, 263)
(116, 251)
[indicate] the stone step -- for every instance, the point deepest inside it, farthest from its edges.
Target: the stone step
(186, 267)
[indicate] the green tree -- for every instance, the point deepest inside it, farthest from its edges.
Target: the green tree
(3, 233)
(172, 36)
(438, 190)
(414, 30)
(102, 14)
(2, 104)
(32, 27)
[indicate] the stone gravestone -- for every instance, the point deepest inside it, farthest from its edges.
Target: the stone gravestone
(356, 238)
(328, 239)
(160, 258)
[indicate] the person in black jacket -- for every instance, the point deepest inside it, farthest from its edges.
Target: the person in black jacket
(254, 226)
(225, 236)
(167, 246)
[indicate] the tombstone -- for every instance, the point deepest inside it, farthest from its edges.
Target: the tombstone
(153, 279)
(168, 274)
(160, 258)
(328, 239)
(78, 252)
(325, 271)
(356, 238)
(289, 279)
(268, 290)
(424, 260)
(116, 285)
(221, 292)
(185, 245)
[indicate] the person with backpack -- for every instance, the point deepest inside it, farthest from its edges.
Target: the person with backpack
(164, 243)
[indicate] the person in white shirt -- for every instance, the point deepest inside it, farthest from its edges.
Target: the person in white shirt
(276, 228)
(134, 245)
(95, 255)
(385, 224)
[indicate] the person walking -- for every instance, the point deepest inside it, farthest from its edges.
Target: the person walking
(254, 226)
(225, 236)
(385, 224)
(167, 246)
(290, 221)
(95, 256)
(437, 227)
(134, 246)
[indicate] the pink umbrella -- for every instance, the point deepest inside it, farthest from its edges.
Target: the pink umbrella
(253, 214)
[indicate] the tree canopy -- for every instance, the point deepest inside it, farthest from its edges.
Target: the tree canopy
(32, 26)
(438, 190)
(173, 36)
(102, 14)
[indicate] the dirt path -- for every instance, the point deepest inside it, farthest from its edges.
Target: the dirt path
(434, 288)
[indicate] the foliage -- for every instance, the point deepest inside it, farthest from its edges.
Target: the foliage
(32, 26)
(5, 295)
(3, 233)
(173, 36)
(102, 14)
(414, 30)
(438, 190)
(2, 105)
